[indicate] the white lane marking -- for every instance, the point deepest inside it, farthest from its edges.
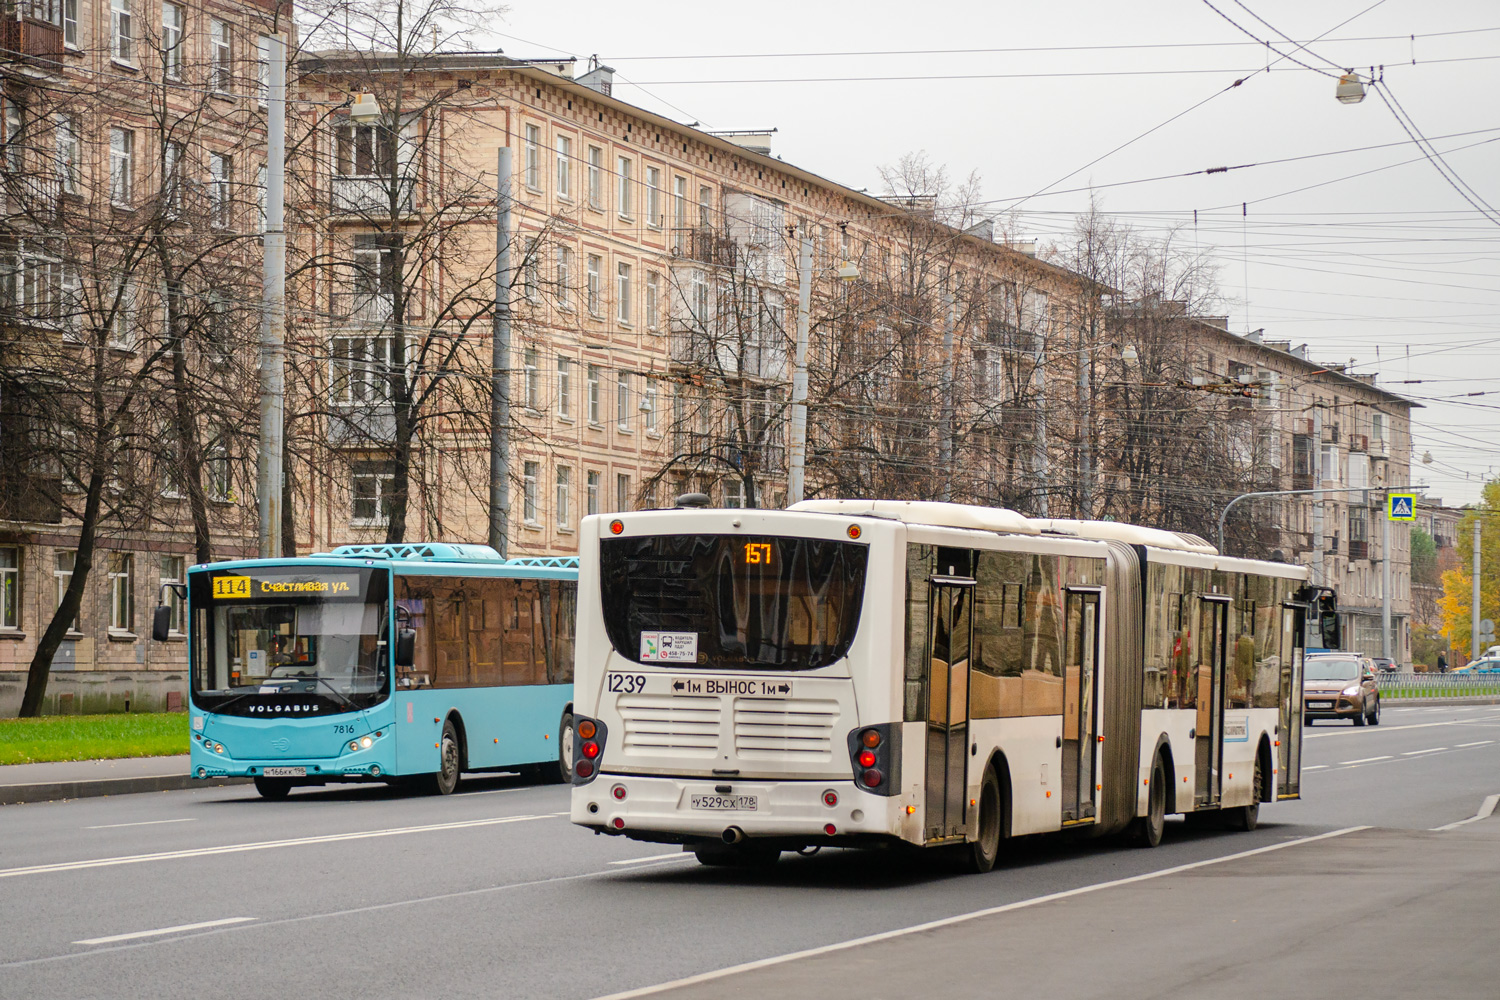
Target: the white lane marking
(1349, 730)
(706, 977)
(1366, 760)
(1315, 767)
(1481, 743)
(166, 930)
(1413, 753)
(149, 822)
(1486, 809)
(679, 855)
(199, 852)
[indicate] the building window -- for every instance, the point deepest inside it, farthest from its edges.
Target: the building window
(593, 493)
(62, 575)
(653, 301)
(220, 68)
(364, 151)
(679, 202)
(121, 333)
(171, 571)
(70, 23)
(622, 292)
(121, 166)
(622, 491)
(564, 278)
(216, 462)
(533, 379)
(220, 171)
(625, 186)
(528, 492)
(371, 484)
(1328, 467)
(595, 263)
(531, 271)
(263, 68)
(14, 158)
(653, 198)
(596, 178)
(564, 488)
(705, 206)
(10, 587)
(593, 393)
(1377, 433)
(564, 167)
(533, 158)
(622, 400)
(121, 32)
(361, 368)
(734, 493)
(564, 387)
(172, 22)
(121, 592)
(648, 404)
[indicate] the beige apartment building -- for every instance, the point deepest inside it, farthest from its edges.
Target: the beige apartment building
(129, 273)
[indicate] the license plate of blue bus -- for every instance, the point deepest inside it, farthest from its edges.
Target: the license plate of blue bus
(285, 772)
(729, 803)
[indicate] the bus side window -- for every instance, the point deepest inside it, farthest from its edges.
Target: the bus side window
(450, 666)
(485, 606)
(563, 615)
(522, 661)
(416, 601)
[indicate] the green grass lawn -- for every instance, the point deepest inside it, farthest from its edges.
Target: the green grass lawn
(91, 737)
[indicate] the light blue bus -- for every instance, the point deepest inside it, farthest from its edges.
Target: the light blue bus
(410, 663)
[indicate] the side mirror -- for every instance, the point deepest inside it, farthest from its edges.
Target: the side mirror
(161, 623)
(406, 647)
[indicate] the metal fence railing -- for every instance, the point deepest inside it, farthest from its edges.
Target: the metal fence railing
(1414, 685)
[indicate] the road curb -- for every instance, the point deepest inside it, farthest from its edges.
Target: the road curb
(52, 791)
(1391, 702)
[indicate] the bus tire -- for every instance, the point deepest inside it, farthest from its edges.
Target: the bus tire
(561, 773)
(272, 788)
(1147, 830)
(984, 851)
(450, 755)
(744, 855)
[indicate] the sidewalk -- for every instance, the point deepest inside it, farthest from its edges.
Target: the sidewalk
(75, 779)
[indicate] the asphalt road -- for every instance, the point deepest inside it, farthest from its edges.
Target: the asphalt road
(362, 892)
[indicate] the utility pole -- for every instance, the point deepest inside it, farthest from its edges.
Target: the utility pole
(500, 366)
(1474, 607)
(1320, 576)
(1041, 460)
(797, 453)
(269, 467)
(1385, 580)
(945, 442)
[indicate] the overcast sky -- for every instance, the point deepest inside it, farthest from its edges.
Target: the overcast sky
(1368, 254)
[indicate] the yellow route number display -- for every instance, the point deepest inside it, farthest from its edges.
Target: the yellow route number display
(758, 553)
(231, 586)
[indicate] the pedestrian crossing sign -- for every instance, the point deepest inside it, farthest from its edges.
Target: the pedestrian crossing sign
(1401, 506)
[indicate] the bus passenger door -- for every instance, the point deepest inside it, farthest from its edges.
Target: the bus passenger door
(1214, 625)
(1080, 712)
(949, 636)
(1289, 733)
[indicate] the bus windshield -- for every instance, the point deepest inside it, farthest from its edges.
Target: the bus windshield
(732, 601)
(315, 634)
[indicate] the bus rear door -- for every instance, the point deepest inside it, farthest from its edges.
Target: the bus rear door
(949, 640)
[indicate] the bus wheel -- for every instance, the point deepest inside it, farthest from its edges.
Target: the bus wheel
(737, 856)
(986, 848)
(561, 773)
(272, 788)
(446, 778)
(1149, 828)
(1247, 817)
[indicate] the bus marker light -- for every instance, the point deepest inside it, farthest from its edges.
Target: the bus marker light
(973, 802)
(354, 744)
(855, 531)
(1278, 743)
(830, 798)
(583, 769)
(619, 824)
(1145, 781)
(911, 810)
(497, 739)
(616, 526)
(377, 734)
(1049, 793)
(870, 738)
(586, 729)
(830, 829)
(618, 792)
(866, 758)
(590, 749)
(872, 778)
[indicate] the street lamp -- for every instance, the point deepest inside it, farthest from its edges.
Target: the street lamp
(1351, 89)
(366, 110)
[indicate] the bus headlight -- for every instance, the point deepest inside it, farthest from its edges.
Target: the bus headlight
(366, 743)
(354, 744)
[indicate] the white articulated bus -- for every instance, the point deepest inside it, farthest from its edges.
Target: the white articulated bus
(852, 672)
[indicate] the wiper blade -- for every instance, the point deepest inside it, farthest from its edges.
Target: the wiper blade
(348, 703)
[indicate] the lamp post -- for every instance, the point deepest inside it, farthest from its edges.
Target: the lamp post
(270, 473)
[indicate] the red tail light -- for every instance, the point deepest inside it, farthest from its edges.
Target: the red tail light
(830, 798)
(590, 749)
(583, 769)
(872, 778)
(619, 823)
(618, 792)
(867, 758)
(830, 829)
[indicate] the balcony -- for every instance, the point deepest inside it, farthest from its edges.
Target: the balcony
(361, 425)
(38, 42)
(371, 195)
(361, 308)
(28, 194)
(1359, 548)
(31, 498)
(705, 245)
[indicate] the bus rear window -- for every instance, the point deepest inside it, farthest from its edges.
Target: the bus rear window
(732, 601)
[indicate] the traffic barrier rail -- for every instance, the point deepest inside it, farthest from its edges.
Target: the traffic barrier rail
(1406, 684)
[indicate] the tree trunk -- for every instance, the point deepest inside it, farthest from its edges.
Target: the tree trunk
(41, 661)
(191, 458)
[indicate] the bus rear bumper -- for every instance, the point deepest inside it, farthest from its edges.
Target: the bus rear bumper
(684, 810)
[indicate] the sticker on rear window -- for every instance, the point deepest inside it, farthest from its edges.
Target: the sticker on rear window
(669, 647)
